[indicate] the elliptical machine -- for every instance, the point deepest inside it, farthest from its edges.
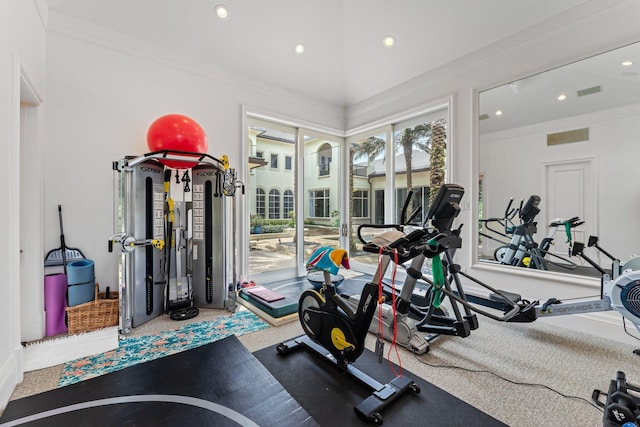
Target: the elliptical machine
(522, 250)
(411, 324)
(522, 242)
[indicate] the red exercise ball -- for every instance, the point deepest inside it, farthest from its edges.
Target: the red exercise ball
(179, 133)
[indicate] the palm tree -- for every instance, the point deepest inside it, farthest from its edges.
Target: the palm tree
(413, 139)
(408, 140)
(437, 158)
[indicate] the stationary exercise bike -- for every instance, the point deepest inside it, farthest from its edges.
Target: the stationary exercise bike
(336, 331)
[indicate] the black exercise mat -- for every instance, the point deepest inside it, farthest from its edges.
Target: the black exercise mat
(329, 395)
(207, 386)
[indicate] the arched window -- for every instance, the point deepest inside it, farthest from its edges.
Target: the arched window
(274, 204)
(260, 202)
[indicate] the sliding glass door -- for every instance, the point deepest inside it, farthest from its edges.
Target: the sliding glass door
(322, 186)
(271, 197)
(294, 197)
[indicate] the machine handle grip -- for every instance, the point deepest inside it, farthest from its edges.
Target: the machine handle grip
(509, 213)
(362, 240)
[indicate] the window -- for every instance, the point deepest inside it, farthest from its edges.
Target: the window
(360, 203)
(260, 202)
(287, 203)
(378, 207)
(324, 169)
(324, 159)
(274, 204)
(319, 203)
(274, 161)
(360, 170)
(288, 163)
(260, 154)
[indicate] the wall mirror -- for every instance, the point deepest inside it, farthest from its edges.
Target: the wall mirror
(570, 136)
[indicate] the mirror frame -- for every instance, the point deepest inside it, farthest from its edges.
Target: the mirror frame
(476, 262)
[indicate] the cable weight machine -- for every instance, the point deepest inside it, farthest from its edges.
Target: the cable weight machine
(175, 255)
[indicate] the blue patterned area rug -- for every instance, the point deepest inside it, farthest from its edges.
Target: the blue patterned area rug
(132, 351)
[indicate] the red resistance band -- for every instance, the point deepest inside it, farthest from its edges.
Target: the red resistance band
(381, 299)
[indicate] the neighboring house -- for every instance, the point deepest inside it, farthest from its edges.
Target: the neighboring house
(272, 190)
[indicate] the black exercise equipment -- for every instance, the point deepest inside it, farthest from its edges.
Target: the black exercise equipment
(336, 331)
(173, 253)
(522, 250)
(622, 403)
(417, 314)
(403, 319)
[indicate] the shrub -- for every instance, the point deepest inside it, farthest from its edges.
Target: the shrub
(272, 228)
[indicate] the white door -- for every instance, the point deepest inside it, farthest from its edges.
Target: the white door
(570, 191)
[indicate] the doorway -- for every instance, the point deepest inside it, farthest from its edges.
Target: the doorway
(293, 195)
(32, 320)
(570, 192)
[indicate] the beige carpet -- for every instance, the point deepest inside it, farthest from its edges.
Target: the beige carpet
(573, 363)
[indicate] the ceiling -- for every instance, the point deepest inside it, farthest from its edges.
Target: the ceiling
(345, 61)
(593, 84)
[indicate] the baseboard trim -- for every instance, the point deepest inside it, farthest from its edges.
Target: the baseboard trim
(52, 352)
(10, 376)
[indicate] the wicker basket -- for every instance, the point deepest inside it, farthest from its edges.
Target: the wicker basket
(93, 315)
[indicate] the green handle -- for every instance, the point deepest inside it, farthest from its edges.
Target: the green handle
(567, 230)
(438, 276)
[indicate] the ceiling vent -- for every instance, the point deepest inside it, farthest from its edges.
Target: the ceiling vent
(484, 116)
(566, 137)
(590, 90)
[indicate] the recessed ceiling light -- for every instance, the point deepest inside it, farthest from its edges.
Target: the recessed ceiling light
(299, 48)
(627, 63)
(388, 41)
(562, 97)
(222, 11)
(499, 113)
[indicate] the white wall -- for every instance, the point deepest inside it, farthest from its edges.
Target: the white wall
(103, 92)
(22, 38)
(613, 144)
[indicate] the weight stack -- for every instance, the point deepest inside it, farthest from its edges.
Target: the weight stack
(208, 230)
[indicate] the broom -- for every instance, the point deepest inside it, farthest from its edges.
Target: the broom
(63, 254)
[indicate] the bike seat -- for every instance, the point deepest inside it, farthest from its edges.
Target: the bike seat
(316, 278)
